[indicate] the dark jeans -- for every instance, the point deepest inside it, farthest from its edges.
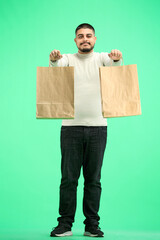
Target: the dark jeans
(81, 146)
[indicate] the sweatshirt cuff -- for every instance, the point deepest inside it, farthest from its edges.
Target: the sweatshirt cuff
(117, 63)
(53, 64)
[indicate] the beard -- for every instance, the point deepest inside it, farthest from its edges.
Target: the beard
(86, 49)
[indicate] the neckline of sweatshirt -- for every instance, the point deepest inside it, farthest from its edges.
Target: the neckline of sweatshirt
(84, 56)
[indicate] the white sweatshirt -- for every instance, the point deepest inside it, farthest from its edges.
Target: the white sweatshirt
(87, 94)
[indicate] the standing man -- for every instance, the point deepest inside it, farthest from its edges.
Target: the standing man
(84, 138)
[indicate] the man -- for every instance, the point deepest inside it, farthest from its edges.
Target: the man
(83, 139)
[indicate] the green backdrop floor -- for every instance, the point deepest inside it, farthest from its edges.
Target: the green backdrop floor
(77, 234)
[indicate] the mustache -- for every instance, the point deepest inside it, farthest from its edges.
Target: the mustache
(84, 42)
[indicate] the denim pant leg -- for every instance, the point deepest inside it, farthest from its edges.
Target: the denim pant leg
(94, 148)
(71, 162)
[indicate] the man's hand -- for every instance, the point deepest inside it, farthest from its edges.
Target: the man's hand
(55, 55)
(115, 54)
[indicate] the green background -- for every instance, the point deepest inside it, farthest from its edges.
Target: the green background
(30, 148)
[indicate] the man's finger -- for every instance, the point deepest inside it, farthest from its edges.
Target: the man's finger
(112, 53)
(53, 53)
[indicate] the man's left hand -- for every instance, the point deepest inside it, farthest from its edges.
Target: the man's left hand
(115, 54)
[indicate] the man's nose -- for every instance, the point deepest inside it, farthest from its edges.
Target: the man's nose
(85, 38)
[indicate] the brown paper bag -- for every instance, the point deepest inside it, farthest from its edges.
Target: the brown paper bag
(55, 92)
(120, 91)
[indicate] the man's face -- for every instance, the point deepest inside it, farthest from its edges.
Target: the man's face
(85, 40)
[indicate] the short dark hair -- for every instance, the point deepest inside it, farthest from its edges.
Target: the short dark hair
(85, 25)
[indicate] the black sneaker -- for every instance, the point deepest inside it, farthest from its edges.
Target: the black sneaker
(61, 231)
(93, 231)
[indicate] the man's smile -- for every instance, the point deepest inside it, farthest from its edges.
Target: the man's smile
(84, 43)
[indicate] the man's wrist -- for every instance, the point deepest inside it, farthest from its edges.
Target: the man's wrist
(53, 60)
(116, 60)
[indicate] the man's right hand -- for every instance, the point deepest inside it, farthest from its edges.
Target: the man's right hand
(55, 55)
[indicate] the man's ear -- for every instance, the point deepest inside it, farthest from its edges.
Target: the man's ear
(75, 40)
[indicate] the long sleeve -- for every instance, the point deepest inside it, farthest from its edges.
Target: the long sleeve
(63, 62)
(107, 61)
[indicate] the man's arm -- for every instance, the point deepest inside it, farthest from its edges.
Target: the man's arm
(108, 61)
(58, 60)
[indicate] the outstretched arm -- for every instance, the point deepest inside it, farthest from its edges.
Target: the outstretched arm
(58, 60)
(114, 58)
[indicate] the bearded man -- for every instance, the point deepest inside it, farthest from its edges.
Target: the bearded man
(84, 138)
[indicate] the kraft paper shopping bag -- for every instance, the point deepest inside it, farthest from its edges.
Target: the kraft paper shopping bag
(55, 92)
(120, 91)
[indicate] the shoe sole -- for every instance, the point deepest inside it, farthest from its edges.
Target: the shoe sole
(92, 235)
(69, 233)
